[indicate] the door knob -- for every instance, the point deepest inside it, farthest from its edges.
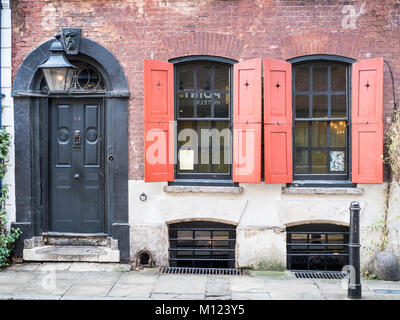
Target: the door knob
(77, 176)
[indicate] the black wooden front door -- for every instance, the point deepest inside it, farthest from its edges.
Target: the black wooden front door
(76, 166)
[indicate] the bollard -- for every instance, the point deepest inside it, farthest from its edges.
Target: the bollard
(354, 289)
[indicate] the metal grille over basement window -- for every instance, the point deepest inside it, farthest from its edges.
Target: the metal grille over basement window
(317, 247)
(201, 244)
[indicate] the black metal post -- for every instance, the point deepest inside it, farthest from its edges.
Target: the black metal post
(354, 289)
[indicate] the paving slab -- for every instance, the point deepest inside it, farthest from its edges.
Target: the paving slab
(379, 284)
(247, 284)
(54, 266)
(100, 277)
(91, 290)
(250, 296)
(24, 267)
(45, 286)
(131, 290)
(98, 267)
(175, 296)
(217, 287)
(181, 284)
(138, 278)
(290, 290)
(10, 288)
(16, 277)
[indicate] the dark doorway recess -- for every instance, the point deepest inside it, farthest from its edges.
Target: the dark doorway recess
(71, 150)
(202, 244)
(319, 247)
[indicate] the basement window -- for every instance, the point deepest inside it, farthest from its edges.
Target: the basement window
(318, 247)
(202, 244)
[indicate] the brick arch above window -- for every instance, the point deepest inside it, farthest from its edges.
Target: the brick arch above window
(348, 45)
(202, 43)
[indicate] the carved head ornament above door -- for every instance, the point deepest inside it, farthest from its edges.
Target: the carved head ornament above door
(71, 38)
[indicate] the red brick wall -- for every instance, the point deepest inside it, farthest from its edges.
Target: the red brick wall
(238, 29)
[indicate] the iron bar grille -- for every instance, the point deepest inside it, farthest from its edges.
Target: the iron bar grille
(201, 244)
(322, 247)
(210, 271)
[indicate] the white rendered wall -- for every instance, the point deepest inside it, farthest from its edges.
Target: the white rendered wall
(261, 214)
(7, 103)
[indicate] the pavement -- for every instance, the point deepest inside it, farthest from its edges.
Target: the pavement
(113, 281)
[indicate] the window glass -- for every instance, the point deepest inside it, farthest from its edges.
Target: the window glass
(204, 112)
(302, 106)
(321, 147)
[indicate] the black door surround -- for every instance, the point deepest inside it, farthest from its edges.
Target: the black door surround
(31, 175)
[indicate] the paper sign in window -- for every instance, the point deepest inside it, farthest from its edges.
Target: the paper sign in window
(186, 159)
(337, 160)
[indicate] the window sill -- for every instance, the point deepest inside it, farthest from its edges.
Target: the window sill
(316, 190)
(202, 189)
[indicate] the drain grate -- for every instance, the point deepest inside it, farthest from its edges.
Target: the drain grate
(211, 271)
(320, 275)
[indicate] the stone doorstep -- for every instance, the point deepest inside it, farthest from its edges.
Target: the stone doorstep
(77, 239)
(71, 254)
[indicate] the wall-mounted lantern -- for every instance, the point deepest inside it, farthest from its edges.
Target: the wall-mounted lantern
(58, 72)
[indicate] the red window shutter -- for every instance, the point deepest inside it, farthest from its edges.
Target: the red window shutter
(367, 126)
(278, 159)
(247, 109)
(278, 153)
(158, 91)
(277, 92)
(159, 121)
(247, 152)
(367, 156)
(367, 91)
(247, 103)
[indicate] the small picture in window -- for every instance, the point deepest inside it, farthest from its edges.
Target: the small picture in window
(186, 159)
(337, 161)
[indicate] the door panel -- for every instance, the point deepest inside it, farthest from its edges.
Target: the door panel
(76, 160)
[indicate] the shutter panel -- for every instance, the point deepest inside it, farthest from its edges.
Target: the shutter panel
(247, 152)
(159, 121)
(367, 91)
(278, 153)
(367, 126)
(277, 92)
(247, 109)
(367, 156)
(278, 158)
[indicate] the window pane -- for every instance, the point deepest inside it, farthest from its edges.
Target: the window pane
(319, 134)
(204, 132)
(187, 134)
(204, 72)
(186, 105)
(338, 133)
(320, 106)
(320, 78)
(319, 162)
(301, 162)
(204, 105)
(302, 106)
(338, 106)
(302, 79)
(221, 80)
(301, 134)
(221, 165)
(204, 165)
(222, 132)
(338, 78)
(221, 105)
(185, 77)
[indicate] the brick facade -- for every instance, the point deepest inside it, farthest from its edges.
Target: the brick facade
(165, 29)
